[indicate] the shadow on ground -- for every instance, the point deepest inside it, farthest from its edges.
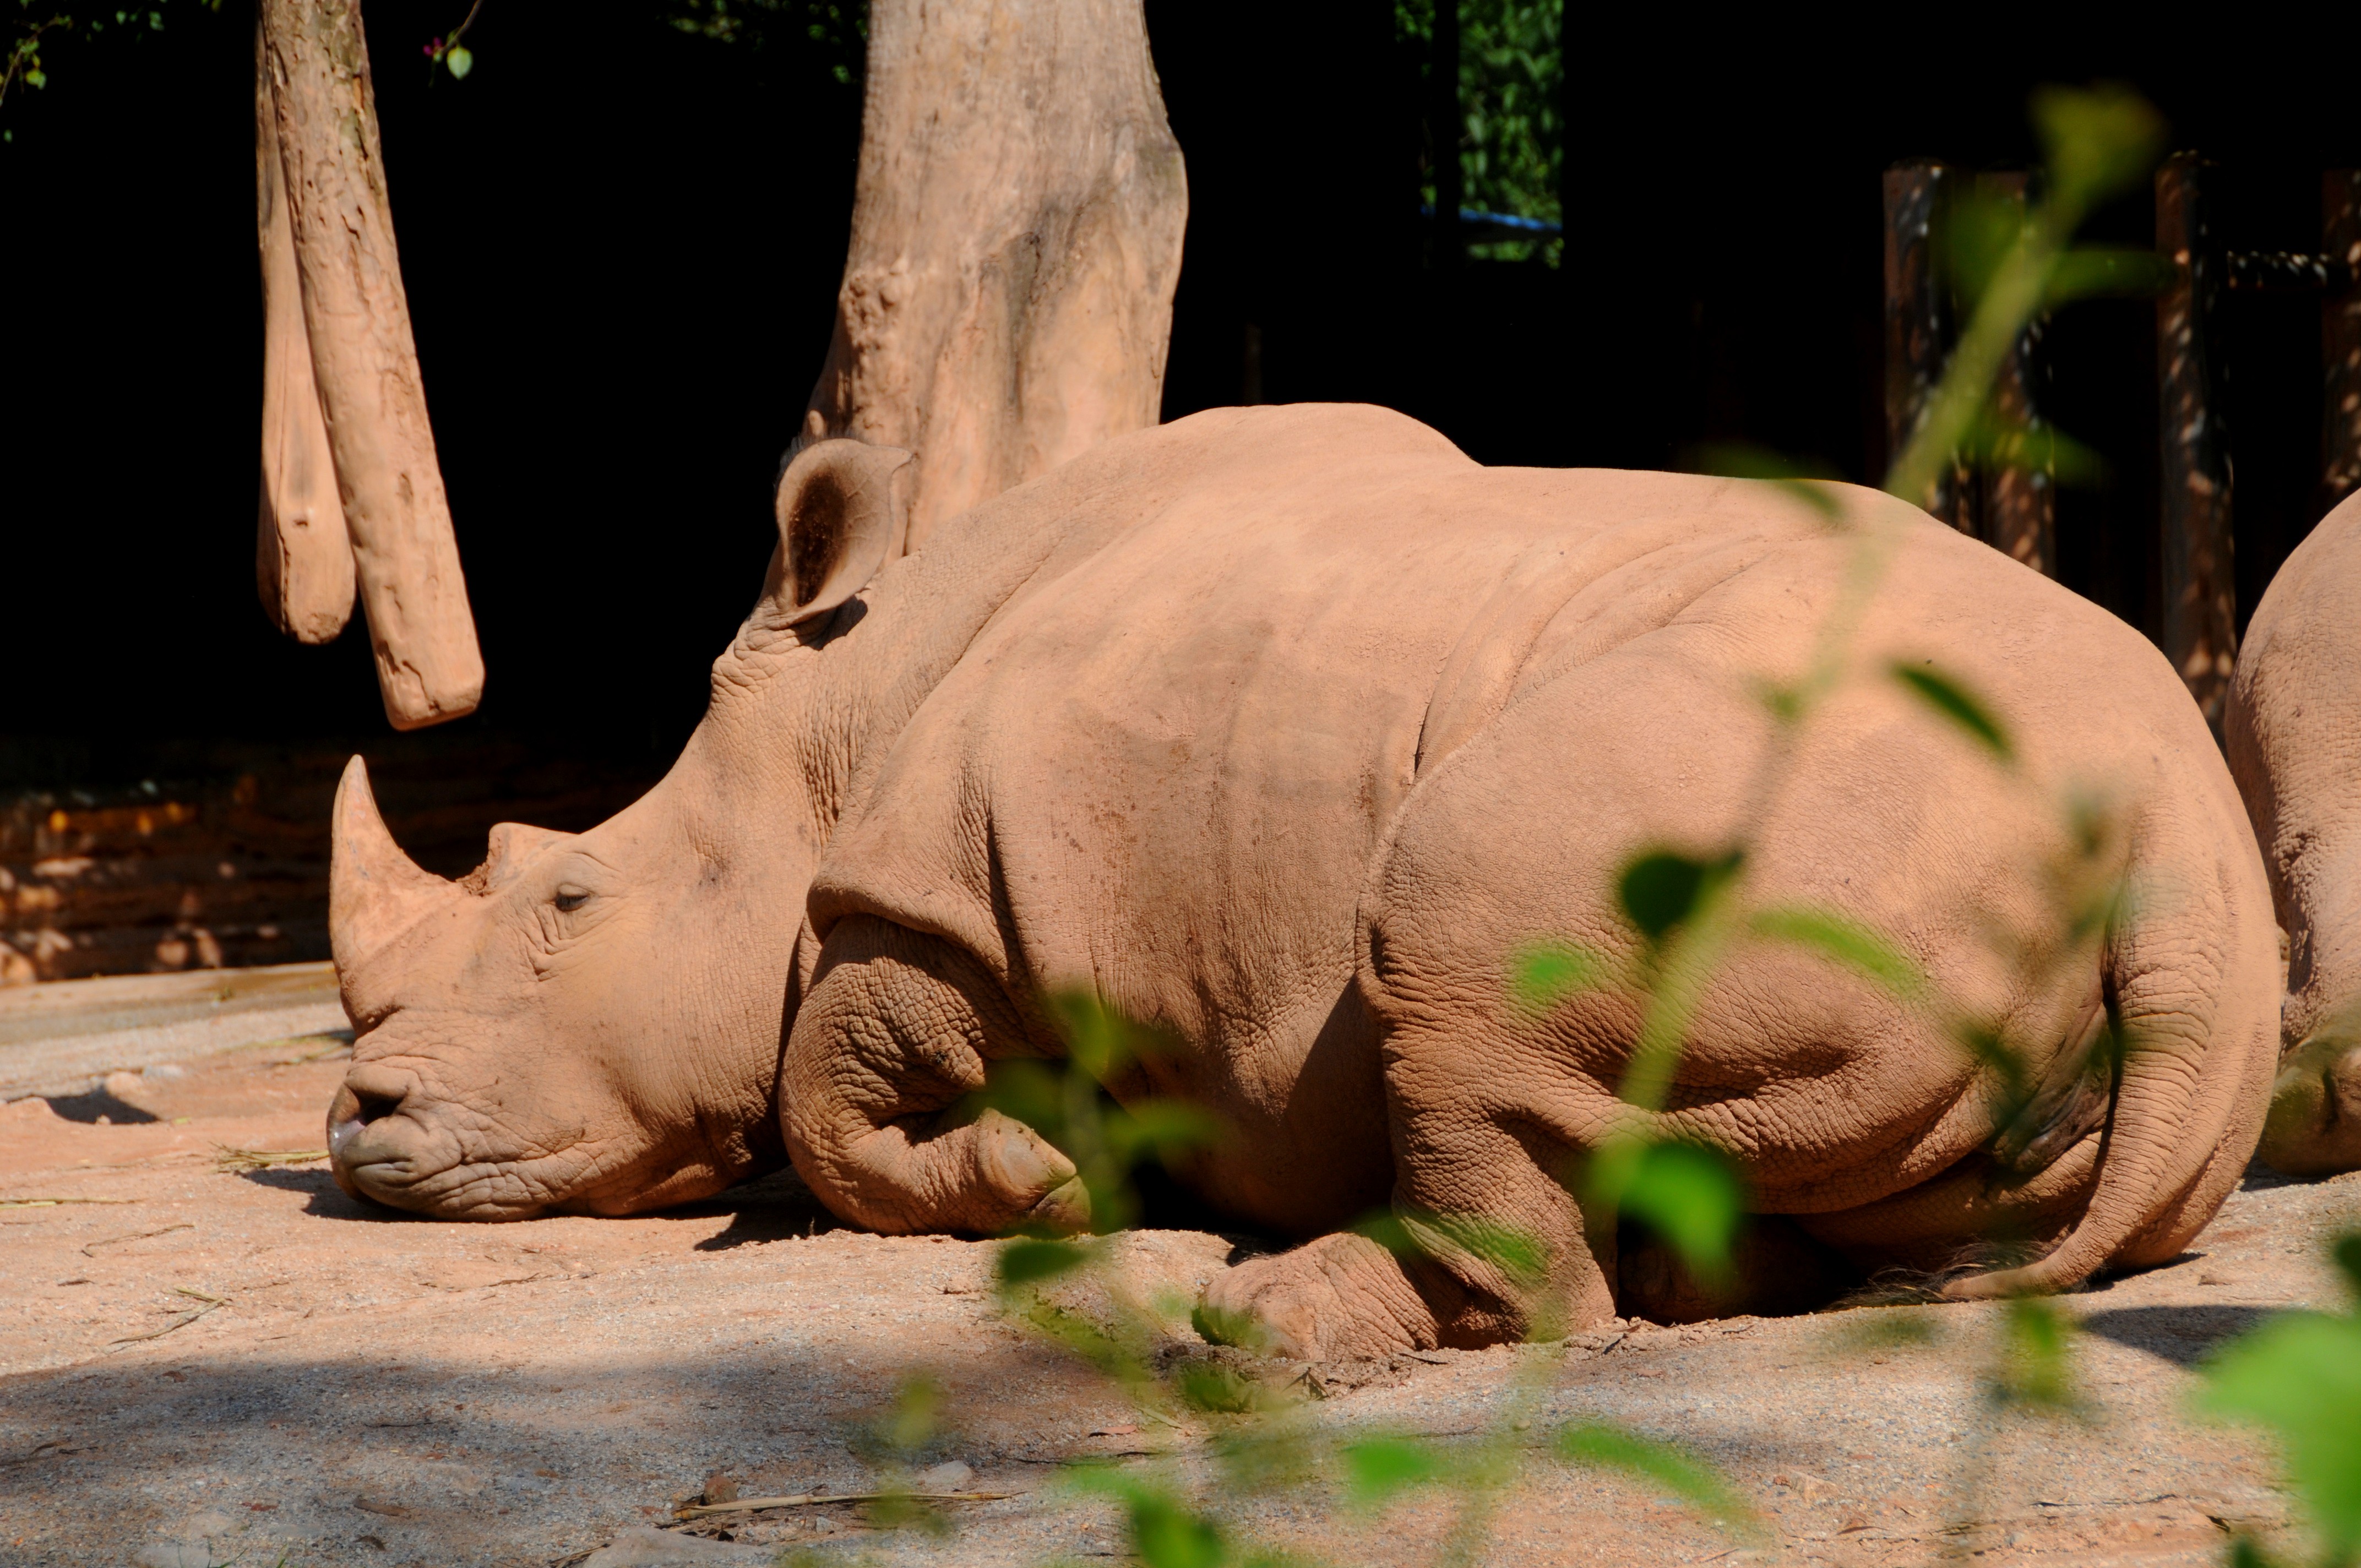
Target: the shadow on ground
(2182, 1335)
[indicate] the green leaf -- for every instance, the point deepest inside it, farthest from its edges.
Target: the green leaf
(1546, 973)
(2037, 1356)
(2346, 1252)
(1846, 942)
(1660, 890)
(1692, 1197)
(460, 59)
(1377, 1469)
(2299, 1374)
(1951, 700)
(1385, 1227)
(1807, 483)
(1991, 442)
(1165, 1532)
(2099, 140)
(1030, 1259)
(1161, 1129)
(1514, 1252)
(911, 1421)
(2092, 269)
(1691, 1480)
(1215, 1326)
(1214, 1386)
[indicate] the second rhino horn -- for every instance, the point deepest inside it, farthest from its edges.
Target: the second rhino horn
(375, 891)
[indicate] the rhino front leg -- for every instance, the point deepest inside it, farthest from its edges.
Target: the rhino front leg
(1484, 1247)
(896, 1030)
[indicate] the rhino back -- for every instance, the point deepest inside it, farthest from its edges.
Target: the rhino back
(1162, 773)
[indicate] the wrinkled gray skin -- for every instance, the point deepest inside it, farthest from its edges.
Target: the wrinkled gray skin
(1282, 731)
(2293, 732)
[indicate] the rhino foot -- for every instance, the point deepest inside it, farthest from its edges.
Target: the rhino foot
(1341, 1298)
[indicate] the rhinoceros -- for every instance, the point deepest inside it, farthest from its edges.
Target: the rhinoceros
(1282, 731)
(2292, 728)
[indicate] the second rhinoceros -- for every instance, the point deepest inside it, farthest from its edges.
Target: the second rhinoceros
(1283, 732)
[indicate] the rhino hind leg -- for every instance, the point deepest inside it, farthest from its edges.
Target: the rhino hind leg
(896, 1031)
(1486, 1246)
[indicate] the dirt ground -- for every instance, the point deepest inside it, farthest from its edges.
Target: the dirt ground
(207, 1366)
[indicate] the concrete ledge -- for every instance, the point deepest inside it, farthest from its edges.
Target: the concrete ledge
(55, 1037)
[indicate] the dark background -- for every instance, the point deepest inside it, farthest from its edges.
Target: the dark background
(621, 244)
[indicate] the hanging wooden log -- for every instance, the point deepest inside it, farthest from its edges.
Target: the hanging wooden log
(1016, 226)
(2200, 589)
(302, 557)
(356, 319)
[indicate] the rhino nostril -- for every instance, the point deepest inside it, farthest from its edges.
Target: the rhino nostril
(371, 1107)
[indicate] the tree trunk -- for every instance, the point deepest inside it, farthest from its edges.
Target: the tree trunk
(1016, 228)
(302, 558)
(356, 319)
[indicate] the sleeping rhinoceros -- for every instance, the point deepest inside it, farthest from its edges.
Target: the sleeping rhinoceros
(2293, 732)
(1281, 731)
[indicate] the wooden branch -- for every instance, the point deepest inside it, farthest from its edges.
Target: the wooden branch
(356, 317)
(1016, 225)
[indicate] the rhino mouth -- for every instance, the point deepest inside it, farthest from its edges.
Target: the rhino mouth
(397, 1152)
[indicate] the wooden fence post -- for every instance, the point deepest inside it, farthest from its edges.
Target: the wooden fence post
(2340, 338)
(1918, 326)
(2199, 590)
(2020, 499)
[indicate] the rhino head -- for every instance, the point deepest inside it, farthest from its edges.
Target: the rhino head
(591, 1022)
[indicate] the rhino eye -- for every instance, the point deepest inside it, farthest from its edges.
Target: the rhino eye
(570, 899)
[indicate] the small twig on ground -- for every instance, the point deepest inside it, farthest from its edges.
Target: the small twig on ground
(212, 1303)
(52, 1449)
(136, 1236)
(811, 1500)
(229, 1159)
(53, 1202)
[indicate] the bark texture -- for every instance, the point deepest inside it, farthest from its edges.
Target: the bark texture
(365, 366)
(303, 556)
(1016, 233)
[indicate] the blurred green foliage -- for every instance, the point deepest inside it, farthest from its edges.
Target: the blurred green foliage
(1511, 132)
(2300, 1375)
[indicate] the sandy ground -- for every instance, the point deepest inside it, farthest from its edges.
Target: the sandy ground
(201, 1365)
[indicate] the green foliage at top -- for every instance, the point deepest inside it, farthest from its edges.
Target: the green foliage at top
(1511, 134)
(89, 20)
(838, 29)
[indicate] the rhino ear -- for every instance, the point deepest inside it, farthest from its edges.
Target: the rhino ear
(841, 517)
(513, 844)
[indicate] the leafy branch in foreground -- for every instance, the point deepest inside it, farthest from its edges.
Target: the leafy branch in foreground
(2300, 1375)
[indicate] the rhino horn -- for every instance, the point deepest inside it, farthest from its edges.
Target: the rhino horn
(375, 891)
